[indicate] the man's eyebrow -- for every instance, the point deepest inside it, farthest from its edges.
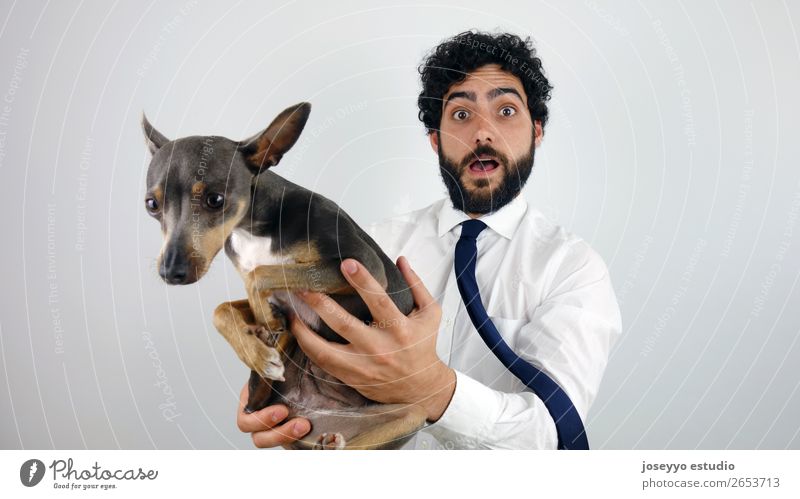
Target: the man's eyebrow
(464, 95)
(496, 92)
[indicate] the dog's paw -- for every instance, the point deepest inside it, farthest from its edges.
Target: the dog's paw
(272, 365)
(269, 338)
(258, 356)
(330, 441)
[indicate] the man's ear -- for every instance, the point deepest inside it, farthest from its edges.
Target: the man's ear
(538, 133)
(152, 137)
(266, 148)
(434, 138)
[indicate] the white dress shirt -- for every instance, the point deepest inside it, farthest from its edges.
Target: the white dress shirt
(550, 297)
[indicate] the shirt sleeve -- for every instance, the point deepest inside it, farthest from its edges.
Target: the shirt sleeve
(569, 337)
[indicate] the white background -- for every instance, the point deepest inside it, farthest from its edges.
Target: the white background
(671, 149)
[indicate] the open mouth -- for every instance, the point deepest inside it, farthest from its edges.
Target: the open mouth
(484, 164)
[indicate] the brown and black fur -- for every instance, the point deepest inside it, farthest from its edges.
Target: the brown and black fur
(307, 236)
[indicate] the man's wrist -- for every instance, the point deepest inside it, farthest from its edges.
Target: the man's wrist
(444, 383)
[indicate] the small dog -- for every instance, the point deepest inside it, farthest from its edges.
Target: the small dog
(208, 192)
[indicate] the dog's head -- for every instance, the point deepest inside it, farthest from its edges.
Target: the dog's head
(199, 189)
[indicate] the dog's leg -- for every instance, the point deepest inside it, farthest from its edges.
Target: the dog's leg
(375, 427)
(236, 322)
(259, 346)
(313, 276)
(268, 323)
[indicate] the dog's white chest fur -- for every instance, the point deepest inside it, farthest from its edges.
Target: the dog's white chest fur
(252, 251)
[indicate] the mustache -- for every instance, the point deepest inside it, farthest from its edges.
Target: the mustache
(483, 149)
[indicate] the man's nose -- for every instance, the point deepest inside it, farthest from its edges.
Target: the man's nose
(174, 266)
(484, 130)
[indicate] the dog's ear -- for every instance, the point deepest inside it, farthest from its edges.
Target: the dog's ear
(266, 148)
(152, 137)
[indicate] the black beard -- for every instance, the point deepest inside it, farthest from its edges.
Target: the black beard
(514, 177)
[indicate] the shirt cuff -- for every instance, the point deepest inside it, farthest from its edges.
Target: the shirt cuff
(469, 417)
(479, 417)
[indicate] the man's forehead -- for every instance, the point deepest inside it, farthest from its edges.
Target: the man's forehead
(485, 79)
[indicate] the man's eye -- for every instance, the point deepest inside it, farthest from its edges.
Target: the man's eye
(460, 115)
(507, 111)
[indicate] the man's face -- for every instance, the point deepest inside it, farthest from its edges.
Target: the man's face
(486, 140)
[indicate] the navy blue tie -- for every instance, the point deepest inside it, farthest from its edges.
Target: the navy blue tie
(569, 427)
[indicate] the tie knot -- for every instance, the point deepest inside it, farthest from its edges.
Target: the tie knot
(471, 228)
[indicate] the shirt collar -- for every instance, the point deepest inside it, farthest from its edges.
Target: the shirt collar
(503, 221)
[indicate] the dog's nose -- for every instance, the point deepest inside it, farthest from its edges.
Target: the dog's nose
(173, 268)
(174, 275)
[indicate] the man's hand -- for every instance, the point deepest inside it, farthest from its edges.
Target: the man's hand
(394, 359)
(264, 424)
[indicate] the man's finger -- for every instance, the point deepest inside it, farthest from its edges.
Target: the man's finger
(326, 354)
(264, 419)
(379, 303)
(337, 318)
(422, 297)
(282, 435)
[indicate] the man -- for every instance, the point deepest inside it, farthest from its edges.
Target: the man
(545, 290)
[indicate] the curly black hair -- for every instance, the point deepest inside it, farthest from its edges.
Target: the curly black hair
(452, 59)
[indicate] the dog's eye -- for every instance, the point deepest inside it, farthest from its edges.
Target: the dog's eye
(151, 204)
(215, 200)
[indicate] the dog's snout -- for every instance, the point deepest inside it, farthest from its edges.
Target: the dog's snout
(175, 274)
(174, 268)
